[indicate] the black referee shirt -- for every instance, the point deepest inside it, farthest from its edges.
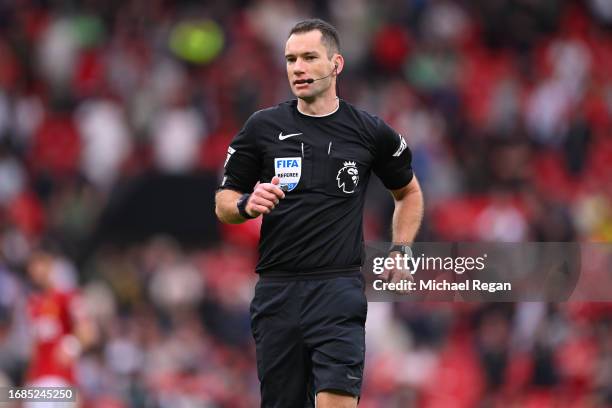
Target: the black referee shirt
(324, 164)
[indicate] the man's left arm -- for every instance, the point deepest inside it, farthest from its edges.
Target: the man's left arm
(407, 219)
(393, 166)
(408, 212)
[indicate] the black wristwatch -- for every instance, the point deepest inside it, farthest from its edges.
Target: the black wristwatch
(402, 249)
(242, 202)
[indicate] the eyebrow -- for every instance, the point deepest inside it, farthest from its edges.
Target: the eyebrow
(306, 53)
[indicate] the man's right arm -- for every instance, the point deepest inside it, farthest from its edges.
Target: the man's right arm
(226, 207)
(263, 200)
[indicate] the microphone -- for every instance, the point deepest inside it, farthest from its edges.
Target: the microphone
(310, 80)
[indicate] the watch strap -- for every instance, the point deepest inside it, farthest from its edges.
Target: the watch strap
(400, 248)
(242, 202)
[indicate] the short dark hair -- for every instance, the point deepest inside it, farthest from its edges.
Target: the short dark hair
(329, 34)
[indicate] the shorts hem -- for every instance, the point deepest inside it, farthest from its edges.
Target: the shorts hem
(351, 390)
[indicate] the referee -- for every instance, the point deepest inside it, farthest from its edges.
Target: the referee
(304, 166)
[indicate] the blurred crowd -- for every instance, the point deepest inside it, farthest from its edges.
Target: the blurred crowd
(506, 105)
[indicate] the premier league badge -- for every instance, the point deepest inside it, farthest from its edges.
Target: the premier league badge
(348, 177)
(288, 170)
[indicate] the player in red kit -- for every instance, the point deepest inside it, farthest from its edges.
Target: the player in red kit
(59, 326)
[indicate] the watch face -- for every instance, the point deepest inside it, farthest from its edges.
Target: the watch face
(407, 250)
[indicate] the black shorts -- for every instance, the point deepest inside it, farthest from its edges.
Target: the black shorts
(310, 337)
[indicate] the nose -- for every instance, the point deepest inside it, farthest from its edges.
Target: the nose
(298, 67)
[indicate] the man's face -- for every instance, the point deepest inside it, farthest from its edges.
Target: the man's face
(306, 58)
(40, 269)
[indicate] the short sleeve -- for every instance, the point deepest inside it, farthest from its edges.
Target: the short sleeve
(393, 163)
(242, 166)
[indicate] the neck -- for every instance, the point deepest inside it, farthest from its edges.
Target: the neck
(321, 105)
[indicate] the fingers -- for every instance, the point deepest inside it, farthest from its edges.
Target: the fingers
(259, 209)
(263, 202)
(265, 197)
(271, 188)
(270, 191)
(400, 275)
(394, 276)
(397, 276)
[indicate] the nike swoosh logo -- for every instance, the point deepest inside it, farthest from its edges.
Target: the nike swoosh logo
(283, 137)
(350, 377)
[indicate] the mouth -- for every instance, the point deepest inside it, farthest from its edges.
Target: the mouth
(301, 82)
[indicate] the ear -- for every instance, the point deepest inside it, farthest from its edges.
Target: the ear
(338, 61)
